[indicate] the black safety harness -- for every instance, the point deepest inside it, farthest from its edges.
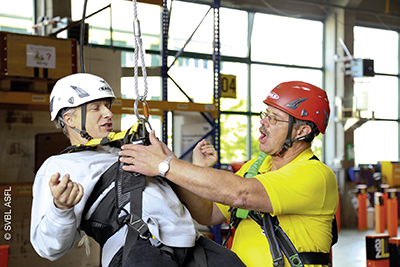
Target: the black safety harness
(110, 215)
(277, 239)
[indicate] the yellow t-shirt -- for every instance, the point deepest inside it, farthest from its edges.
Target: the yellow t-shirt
(304, 196)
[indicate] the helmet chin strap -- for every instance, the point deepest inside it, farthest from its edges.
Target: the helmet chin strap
(289, 142)
(83, 132)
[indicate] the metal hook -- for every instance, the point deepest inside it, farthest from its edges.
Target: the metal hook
(136, 106)
(145, 119)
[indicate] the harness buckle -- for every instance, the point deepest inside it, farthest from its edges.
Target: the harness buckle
(295, 259)
(155, 242)
(141, 136)
(140, 226)
(135, 222)
(278, 262)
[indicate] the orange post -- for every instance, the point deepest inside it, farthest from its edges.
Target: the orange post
(362, 207)
(4, 255)
(392, 213)
(384, 190)
(377, 248)
(379, 213)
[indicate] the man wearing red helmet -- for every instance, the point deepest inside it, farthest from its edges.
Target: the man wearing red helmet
(285, 199)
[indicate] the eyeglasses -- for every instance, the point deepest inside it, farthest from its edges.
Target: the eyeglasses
(271, 119)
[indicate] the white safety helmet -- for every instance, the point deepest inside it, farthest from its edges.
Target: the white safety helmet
(77, 89)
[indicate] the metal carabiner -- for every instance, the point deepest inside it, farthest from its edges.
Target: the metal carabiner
(135, 108)
(145, 108)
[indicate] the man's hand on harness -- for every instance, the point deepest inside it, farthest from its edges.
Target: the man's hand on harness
(144, 159)
(65, 192)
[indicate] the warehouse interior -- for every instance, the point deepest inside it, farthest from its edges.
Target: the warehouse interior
(350, 48)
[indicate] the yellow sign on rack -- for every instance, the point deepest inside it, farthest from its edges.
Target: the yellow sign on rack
(228, 86)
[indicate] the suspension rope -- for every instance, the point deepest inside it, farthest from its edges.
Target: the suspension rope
(138, 52)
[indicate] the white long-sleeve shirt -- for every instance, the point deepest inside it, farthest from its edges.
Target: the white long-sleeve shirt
(54, 232)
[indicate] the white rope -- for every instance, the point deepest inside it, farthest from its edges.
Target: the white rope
(139, 51)
(85, 241)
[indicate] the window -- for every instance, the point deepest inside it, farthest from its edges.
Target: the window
(233, 32)
(378, 95)
(120, 17)
(379, 45)
(190, 15)
(195, 77)
(285, 40)
(16, 19)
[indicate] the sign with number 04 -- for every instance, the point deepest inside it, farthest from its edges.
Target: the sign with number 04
(228, 86)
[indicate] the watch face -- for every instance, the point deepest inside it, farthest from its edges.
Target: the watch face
(163, 167)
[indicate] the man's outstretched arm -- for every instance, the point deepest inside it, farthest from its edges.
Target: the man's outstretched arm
(212, 184)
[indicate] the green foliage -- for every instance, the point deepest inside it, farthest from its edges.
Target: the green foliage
(234, 136)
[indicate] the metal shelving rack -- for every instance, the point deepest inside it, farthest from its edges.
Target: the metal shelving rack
(215, 122)
(37, 101)
(213, 119)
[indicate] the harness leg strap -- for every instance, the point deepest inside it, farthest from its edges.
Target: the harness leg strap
(273, 242)
(135, 225)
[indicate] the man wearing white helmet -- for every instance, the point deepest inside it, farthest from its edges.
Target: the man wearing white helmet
(79, 190)
(65, 95)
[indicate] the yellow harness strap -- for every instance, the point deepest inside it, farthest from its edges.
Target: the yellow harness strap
(110, 138)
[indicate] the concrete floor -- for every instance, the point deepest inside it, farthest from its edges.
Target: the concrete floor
(350, 251)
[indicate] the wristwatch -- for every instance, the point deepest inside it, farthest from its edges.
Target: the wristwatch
(163, 167)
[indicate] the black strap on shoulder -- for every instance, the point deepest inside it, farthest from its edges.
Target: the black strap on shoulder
(107, 218)
(102, 184)
(131, 185)
(102, 224)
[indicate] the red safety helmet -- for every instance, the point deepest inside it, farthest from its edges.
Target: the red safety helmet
(303, 101)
